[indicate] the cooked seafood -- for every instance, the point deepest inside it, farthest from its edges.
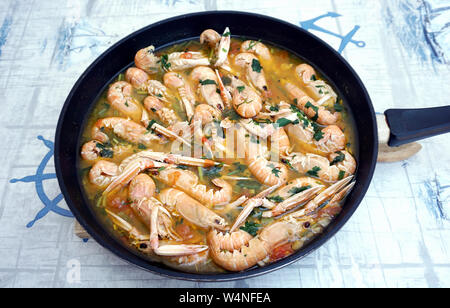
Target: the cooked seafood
(218, 155)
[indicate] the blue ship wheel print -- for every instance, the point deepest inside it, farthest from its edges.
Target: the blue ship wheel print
(50, 205)
(345, 39)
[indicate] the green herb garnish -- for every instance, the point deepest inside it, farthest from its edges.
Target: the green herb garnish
(165, 64)
(256, 66)
(142, 146)
(276, 171)
(240, 88)
(282, 122)
(338, 159)
(297, 190)
(276, 199)
(207, 81)
(314, 171)
(251, 228)
(341, 175)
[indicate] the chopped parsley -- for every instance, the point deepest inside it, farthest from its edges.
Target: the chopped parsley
(297, 190)
(105, 151)
(142, 147)
(314, 171)
(341, 175)
(256, 66)
(161, 169)
(240, 88)
(249, 184)
(276, 199)
(251, 228)
(231, 114)
(274, 108)
(315, 108)
(318, 134)
(282, 122)
(213, 172)
(338, 159)
(227, 34)
(252, 44)
(338, 107)
(207, 81)
(150, 124)
(313, 77)
(165, 64)
(240, 168)
(276, 171)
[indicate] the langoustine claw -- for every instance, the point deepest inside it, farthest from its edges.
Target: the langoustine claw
(258, 249)
(187, 181)
(191, 209)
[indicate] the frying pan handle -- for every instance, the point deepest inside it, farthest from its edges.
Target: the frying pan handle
(408, 125)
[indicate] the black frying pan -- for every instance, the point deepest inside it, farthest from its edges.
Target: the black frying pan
(406, 126)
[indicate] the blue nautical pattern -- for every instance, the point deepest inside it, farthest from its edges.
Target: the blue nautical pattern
(345, 39)
(50, 205)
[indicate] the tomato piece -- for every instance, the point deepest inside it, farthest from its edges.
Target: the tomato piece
(186, 55)
(184, 231)
(281, 252)
(235, 48)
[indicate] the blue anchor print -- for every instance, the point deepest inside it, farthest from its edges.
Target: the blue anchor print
(38, 178)
(345, 40)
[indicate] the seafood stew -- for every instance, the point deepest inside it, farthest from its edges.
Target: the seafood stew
(218, 155)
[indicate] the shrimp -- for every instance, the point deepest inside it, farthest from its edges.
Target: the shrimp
(309, 106)
(208, 83)
(254, 71)
(246, 101)
(220, 44)
(260, 129)
(293, 194)
(187, 181)
(137, 77)
(258, 49)
(288, 229)
(103, 172)
(332, 138)
(231, 241)
(191, 209)
(143, 240)
(142, 186)
(157, 89)
(146, 60)
(178, 61)
(141, 191)
(319, 89)
(267, 172)
(206, 114)
(125, 129)
(337, 166)
(131, 170)
(280, 143)
(175, 81)
(210, 37)
(119, 96)
(91, 150)
(166, 115)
